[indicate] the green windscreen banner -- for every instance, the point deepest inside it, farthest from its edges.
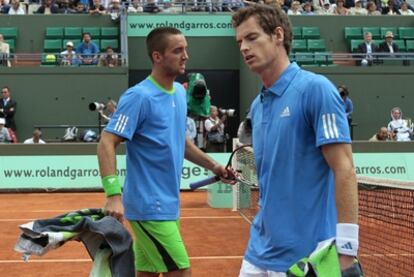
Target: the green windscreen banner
(82, 171)
(213, 25)
(76, 172)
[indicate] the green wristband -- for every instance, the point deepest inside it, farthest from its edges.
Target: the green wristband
(111, 185)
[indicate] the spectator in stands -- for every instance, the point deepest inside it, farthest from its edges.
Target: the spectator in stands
(372, 8)
(48, 7)
(214, 125)
(114, 9)
(388, 46)
(97, 8)
(36, 138)
(4, 52)
(16, 8)
(382, 135)
(135, 7)
(65, 7)
(151, 7)
(326, 8)
(404, 9)
(295, 8)
(232, 5)
(349, 107)
(109, 59)
(8, 108)
(390, 8)
(69, 57)
(4, 7)
(81, 8)
(307, 9)
(339, 8)
(367, 48)
(87, 51)
(402, 128)
(4, 133)
(358, 9)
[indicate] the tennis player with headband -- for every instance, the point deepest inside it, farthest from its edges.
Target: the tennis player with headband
(303, 153)
(151, 118)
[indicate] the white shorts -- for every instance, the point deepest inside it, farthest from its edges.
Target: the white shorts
(249, 270)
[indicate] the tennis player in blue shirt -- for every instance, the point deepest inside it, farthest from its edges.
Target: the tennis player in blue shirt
(151, 118)
(308, 186)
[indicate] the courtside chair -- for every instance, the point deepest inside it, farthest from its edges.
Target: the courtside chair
(73, 32)
(394, 31)
(354, 44)
(311, 32)
(297, 32)
(109, 42)
(9, 32)
(410, 45)
(94, 31)
(304, 58)
(401, 44)
(375, 31)
(299, 45)
(353, 33)
(316, 45)
(109, 32)
(54, 33)
(52, 45)
(323, 58)
(406, 32)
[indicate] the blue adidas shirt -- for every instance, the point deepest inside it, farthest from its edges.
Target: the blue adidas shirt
(153, 121)
(291, 120)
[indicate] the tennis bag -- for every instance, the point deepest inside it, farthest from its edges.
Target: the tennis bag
(324, 262)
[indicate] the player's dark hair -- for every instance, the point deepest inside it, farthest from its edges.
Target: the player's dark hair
(157, 39)
(343, 90)
(268, 17)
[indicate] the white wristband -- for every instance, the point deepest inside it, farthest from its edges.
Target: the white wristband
(347, 239)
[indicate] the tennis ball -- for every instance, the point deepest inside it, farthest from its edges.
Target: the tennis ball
(50, 58)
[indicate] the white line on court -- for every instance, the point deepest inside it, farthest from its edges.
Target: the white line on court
(89, 260)
(183, 217)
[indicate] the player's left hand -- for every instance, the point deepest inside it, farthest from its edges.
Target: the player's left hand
(227, 175)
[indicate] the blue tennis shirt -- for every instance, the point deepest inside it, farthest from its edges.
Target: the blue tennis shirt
(291, 120)
(152, 120)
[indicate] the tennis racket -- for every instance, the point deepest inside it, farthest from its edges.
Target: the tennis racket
(241, 156)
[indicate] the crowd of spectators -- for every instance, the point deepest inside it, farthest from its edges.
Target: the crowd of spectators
(291, 7)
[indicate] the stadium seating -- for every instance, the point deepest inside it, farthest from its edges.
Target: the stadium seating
(323, 58)
(94, 31)
(12, 44)
(355, 43)
(304, 58)
(401, 45)
(406, 32)
(54, 33)
(311, 32)
(410, 45)
(316, 45)
(9, 32)
(375, 31)
(109, 42)
(73, 32)
(299, 45)
(353, 33)
(109, 32)
(297, 32)
(52, 45)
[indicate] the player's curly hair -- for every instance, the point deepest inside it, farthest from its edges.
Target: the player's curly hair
(268, 17)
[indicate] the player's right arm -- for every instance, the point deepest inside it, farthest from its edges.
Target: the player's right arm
(107, 166)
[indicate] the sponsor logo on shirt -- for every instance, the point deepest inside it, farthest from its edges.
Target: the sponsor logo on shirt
(285, 112)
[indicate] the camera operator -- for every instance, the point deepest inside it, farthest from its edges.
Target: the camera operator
(110, 108)
(214, 125)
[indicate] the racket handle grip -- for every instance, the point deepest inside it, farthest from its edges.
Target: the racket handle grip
(204, 182)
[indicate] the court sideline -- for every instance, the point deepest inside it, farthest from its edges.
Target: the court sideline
(215, 238)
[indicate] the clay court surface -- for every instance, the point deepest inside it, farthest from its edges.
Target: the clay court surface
(215, 238)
